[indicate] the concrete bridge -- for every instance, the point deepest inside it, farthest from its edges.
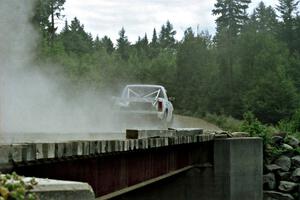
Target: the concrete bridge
(152, 164)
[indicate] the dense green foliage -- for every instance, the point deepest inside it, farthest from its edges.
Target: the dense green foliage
(14, 187)
(251, 64)
(255, 128)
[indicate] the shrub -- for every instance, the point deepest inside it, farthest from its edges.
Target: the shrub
(255, 128)
(292, 125)
(13, 187)
(227, 123)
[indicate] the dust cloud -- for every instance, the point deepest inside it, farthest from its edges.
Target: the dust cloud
(31, 102)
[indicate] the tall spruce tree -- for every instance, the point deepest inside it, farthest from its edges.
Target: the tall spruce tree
(123, 45)
(108, 44)
(97, 44)
(231, 18)
(264, 19)
(153, 46)
(192, 72)
(145, 41)
(167, 36)
(75, 39)
(154, 40)
(231, 15)
(288, 10)
(297, 31)
(47, 12)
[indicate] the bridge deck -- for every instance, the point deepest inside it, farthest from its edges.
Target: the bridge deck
(58, 146)
(111, 165)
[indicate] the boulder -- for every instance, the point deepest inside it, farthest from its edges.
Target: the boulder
(284, 162)
(284, 176)
(287, 186)
(272, 167)
(271, 195)
(281, 134)
(296, 161)
(296, 175)
(240, 134)
(277, 140)
(292, 141)
(222, 134)
(287, 147)
(269, 181)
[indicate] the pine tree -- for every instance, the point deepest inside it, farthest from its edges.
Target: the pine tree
(231, 15)
(123, 45)
(145, 41)
(97, 44)
(65, 28)
(154, 49)
(167, 36)
(154, 41)
(192, 72)
(142, 45)
(188, 34)
(288, 11)
(48, 11)
(75, 39)
(108, 44)
(76, 26)
(297, 32)
(138, 45)
(56, 6)
(231, 18)
(264, 19)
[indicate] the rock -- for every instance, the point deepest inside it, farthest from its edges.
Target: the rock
(284, 176)
(296, 161)
(284, 162)
(287, 186)
(281, 134)
(222, 134)
(287, 147)
(272, 167)
(269, 181)
(240, 134)
(273, 195)
(277, 140)
(296, 175)
(292, 141)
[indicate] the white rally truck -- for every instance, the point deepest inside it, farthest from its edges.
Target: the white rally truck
(147, 102)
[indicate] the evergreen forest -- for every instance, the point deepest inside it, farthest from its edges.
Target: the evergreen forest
(251, 63)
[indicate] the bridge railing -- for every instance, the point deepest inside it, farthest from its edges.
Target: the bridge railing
(24, 153)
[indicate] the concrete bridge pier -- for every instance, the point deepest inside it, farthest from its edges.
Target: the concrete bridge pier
(235, 174)
(238, 169)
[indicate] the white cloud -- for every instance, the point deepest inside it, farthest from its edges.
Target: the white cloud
(107, 17)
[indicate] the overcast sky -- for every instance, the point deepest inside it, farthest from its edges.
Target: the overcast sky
(107, 17)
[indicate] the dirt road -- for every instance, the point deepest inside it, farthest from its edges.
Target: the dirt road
(191, 122)
(179, 122)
